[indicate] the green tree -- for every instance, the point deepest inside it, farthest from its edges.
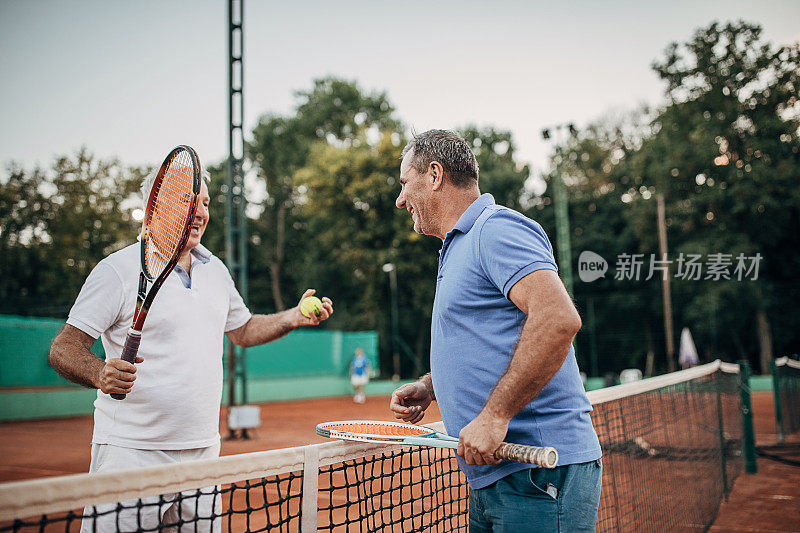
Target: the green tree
(333, 111)
(24, 216)
(727, 161)
(723, 151)
(58, 225)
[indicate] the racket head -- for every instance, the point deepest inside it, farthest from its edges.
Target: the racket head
(170, 210)
(372, 430)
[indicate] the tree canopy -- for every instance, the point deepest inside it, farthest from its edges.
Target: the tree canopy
(723, 152)
(56, 224)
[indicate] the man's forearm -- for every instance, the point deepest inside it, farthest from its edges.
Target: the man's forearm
(71, 359)
(538, 356)
(262, 329)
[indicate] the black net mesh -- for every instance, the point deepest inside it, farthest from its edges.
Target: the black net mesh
(669, 455)
(411, 489)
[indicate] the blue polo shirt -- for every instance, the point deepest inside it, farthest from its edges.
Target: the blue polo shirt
(475, 329)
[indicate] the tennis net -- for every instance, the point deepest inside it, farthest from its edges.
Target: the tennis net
(786, 386)
(672, 448)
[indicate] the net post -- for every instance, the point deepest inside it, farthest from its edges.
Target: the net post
(722, 446)
(748, 435)
(776, 390)
(310, 504)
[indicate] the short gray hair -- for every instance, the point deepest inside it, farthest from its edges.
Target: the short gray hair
(147, 183)
(450, 150)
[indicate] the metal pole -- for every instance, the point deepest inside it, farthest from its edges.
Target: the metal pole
(723, 452)
(235, 205)
(229, 216)
(561, 207)
(593, 339)
(776, 390)
(562, 231)
(242, 260)
(395, 325)
(665, 292)
(748, 434)
(713, 312)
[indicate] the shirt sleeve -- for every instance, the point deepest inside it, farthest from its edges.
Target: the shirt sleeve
(238, 313)
(511, 246)
(99, 304)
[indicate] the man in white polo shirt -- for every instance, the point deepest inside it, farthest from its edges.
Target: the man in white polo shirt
(171, 411)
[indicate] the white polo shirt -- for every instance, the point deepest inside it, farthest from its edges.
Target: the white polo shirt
(175, 399)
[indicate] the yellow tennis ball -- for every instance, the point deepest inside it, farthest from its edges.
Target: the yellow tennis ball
(309, 305)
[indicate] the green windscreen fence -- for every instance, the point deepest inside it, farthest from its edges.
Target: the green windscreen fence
(25, 342)
(310, 353)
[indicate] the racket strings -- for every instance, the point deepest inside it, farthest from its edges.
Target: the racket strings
(170, 210)
(379, 429)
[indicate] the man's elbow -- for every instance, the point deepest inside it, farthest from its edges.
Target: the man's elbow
(56, 357)
(577, 323)
(239, 338)
(53, 356)
(243, 343)
(243, 335)
(570, 324)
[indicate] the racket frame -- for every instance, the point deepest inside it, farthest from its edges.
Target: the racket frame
(144, 298)
(431, 438)
(546, 457)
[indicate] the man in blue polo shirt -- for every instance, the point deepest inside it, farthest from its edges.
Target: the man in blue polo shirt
(502, 363)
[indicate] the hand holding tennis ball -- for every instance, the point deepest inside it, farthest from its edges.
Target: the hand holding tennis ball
(313, 310)
(311, 305)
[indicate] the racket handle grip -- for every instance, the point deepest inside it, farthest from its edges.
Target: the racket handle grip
(129, 352)
(545, 456)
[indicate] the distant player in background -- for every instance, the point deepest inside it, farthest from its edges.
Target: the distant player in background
(171, 414)
(360, 372)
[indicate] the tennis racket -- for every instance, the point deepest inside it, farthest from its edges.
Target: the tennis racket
(399, 433)
(167, 220)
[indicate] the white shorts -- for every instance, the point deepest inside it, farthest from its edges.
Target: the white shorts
(200, 503)
(357, 380)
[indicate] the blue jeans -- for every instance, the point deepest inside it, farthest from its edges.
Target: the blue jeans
(562, 499)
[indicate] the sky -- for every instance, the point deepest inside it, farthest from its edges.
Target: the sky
(133, 79)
